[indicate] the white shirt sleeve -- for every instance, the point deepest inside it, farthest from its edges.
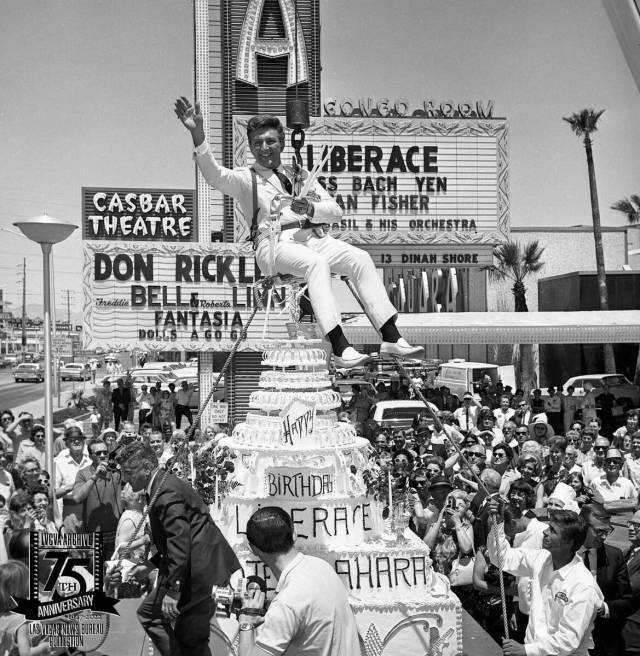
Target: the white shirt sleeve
(281, 625)
(518, 562)
(229, 181)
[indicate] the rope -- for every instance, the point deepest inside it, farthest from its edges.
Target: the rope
(494, 524)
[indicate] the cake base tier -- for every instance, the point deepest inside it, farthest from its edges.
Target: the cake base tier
(429, 627)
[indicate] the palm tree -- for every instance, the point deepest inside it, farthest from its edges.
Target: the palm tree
(515, 262)
(630, 207)
(583, 124)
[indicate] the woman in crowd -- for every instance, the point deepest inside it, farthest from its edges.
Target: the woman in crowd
(6, 434)
(554, 470)
(167, 411)
(42, 511)
(21, 512)
(450, 539)
(631, 469)
(7, 486)
(17, 636)
(505, 463)
(27, 474)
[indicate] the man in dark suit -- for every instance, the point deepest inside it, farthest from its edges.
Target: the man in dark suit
(631, 631)
(192, 557)
(121, 399)
(609, 567)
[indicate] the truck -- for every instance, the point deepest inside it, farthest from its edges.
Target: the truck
(461, 376)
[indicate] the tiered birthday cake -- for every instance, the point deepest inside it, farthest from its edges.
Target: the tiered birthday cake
(292, 452)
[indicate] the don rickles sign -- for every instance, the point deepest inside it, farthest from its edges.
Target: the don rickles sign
(172, 296)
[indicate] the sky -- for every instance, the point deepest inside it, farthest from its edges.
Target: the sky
(88, 87)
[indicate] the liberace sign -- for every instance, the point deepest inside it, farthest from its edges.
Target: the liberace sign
(172, 296)
(407, 180)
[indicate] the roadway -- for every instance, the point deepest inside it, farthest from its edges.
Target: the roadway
(15, 396)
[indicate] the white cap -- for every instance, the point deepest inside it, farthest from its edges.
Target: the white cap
(567, 495)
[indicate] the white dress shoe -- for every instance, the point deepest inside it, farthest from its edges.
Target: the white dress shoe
(350, 358)
(400, 349)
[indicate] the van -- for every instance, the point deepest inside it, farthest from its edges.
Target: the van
(461, 376)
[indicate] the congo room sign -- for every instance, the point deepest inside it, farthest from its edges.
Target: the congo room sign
(172, 296)
(407, 180)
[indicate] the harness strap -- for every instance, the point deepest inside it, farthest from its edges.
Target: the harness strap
(253, 233)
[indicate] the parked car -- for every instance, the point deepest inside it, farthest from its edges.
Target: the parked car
(627, 394)
(28, 372)
(164, 366)
(75, 371)
(393, 415)
(344, 386)
(11, 360)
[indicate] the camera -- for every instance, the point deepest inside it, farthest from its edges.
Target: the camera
(229, 599)
(451, 503)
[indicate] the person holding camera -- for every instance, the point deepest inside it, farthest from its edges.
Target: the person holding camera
(310, 613)
(192, 556)
(97, 488)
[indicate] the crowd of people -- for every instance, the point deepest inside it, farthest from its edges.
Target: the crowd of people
(164, 409)
(91, 495)
(543, 464)
(545, 471)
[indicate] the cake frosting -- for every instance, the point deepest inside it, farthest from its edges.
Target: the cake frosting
(291, 451)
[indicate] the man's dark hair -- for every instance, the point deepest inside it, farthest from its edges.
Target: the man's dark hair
(73, 431)
(573, 527)
(270, 529)
(595, 511)
(267, 121)
(18, 547)
(93, 442)
(19, 500)
(136, 455)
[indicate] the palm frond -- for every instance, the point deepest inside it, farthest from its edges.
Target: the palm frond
(584, 122)
(625, 206)
(508, 254)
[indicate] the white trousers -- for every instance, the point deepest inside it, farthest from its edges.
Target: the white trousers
(315, 260)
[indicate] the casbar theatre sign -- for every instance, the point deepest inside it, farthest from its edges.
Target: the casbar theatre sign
(411, 180)
(138, 214)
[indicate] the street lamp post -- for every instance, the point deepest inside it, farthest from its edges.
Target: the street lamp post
(47, 231)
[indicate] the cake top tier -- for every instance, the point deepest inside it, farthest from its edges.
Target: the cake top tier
(301, 353)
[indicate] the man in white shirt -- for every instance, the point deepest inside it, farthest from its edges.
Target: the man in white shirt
(591, 470)
(564, 596)
(611, 486)
(310, 613)
(302, 248)
(467, 414)
(504, 412)
(183, 401)
(67, 465)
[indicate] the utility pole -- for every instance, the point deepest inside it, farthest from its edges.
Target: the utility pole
(24, 307)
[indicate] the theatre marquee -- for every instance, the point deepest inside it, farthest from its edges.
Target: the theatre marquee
(160, 297)
(406, 181)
